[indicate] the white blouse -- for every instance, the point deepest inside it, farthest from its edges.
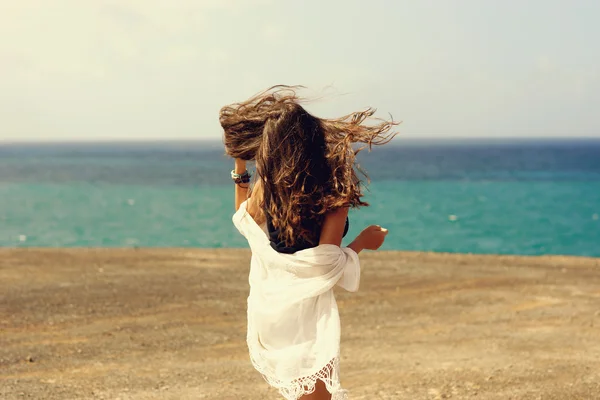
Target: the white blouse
(293, 320)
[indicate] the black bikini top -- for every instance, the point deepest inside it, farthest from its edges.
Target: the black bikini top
(278, 245)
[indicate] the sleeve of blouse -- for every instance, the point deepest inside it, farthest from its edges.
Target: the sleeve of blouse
(350, 279)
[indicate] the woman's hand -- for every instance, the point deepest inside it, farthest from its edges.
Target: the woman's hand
(371, 238)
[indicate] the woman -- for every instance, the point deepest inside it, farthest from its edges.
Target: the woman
(294, 219)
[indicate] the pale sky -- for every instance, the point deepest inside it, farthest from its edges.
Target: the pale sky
(150, 69)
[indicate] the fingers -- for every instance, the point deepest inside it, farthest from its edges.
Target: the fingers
(377, 228)
(382, 229)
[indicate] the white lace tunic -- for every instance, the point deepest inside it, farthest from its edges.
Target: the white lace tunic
(293, 321)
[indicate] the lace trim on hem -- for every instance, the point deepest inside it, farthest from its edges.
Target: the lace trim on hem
(297, 388)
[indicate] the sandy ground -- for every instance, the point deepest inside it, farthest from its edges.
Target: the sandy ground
(170, 324)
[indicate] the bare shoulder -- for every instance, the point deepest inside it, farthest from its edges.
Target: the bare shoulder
(341, 212)
(332, 230)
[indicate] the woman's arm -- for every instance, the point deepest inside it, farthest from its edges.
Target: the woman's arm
(241, 190)
(371, 238)
(357, 244)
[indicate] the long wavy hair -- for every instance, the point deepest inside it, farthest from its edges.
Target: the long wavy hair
(306, 165)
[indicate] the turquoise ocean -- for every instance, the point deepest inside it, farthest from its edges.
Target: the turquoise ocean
(510, 197)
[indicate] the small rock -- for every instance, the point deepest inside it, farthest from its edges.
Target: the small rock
(452, 217)
(30, 359)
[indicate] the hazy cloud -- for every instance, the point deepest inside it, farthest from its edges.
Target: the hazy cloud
(132, 69)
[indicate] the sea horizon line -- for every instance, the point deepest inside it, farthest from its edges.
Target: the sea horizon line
(397, 141)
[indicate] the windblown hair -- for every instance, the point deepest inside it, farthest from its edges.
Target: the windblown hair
(306, 165)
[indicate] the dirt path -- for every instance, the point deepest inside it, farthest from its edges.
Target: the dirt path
(170, 324)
